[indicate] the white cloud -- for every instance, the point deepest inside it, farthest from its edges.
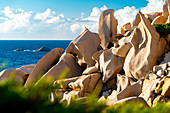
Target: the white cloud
(91, 22)
(125, 15)
(75, 27)
(153, 6)
(45, 15)
(49, 17)
(94, 16)
(50, 23)
(8, 12)
(55, 19)
(17, 19)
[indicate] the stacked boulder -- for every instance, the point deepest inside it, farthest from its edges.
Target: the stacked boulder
(131, 66)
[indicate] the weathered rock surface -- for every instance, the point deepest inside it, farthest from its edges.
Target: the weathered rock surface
(107, 28)
(27, 68)
(19, 50)
(165, 8)
(43, 65)
(152, 16)
(130, 100)
(166, 87)
(125, 28)
(122, 47)
(66, 65)
(18, 75)
(68, 96)
(84, 46)
(63, 83)
(86, 83)
(43, 49)
(129, 91)
(118, 68)
(122, 82)
(159, 20)
(144, 39)
(110, 64)
(90, 70)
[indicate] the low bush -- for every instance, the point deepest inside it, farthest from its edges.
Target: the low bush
(14, 98)
(163, 29)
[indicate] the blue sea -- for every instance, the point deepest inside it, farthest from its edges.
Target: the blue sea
(11, 59)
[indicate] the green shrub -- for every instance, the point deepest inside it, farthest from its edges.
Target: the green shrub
(163, 29)
(14, 98)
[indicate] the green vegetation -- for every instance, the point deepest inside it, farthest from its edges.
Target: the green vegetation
(14, 98)
(163, 29)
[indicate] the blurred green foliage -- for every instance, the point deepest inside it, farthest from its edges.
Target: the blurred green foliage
(163, 29)
(15, 98)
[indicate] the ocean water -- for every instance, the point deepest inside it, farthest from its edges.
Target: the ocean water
(11, 59)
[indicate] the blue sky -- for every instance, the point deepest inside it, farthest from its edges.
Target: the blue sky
(63, 19)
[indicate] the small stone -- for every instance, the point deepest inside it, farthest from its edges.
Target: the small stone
(156, 100)
(105, 94)
(160, 73)
(166, 87)
(153, 76)
(43, 49)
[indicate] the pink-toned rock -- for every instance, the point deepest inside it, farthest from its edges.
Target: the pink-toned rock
(80, 84)
(107, 28)
(129, 91)
(150, 86)
(165, 8)
(96, 57)
(160, 67)
(136, 21)
(90, 70)
(144, 39)
(122, 47)
(148, 96)
(84, 47)
(18, 76)
(85, 83)
(110, 64)
(159, 20)
(66, 65)
(136, 100)
(27, 68)
(63, 83)
(94, 78)
(44, 65)
(166, 87)
(122, 82)
(126, 27)
(153, 76)
(68, 96)
(152, 16)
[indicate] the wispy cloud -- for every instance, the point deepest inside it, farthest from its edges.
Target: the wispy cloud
(14, 19)
(49, 24)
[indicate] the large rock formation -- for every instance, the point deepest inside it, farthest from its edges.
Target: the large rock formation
(132, 66)
(84, 46)
(144, 39)
(165, 8)
(110, 64)
(126, 27)
(107, 28)
(19, 76)
(65, 68)
(44, 65)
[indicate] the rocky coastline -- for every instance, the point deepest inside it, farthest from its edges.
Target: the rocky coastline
(131, 66)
